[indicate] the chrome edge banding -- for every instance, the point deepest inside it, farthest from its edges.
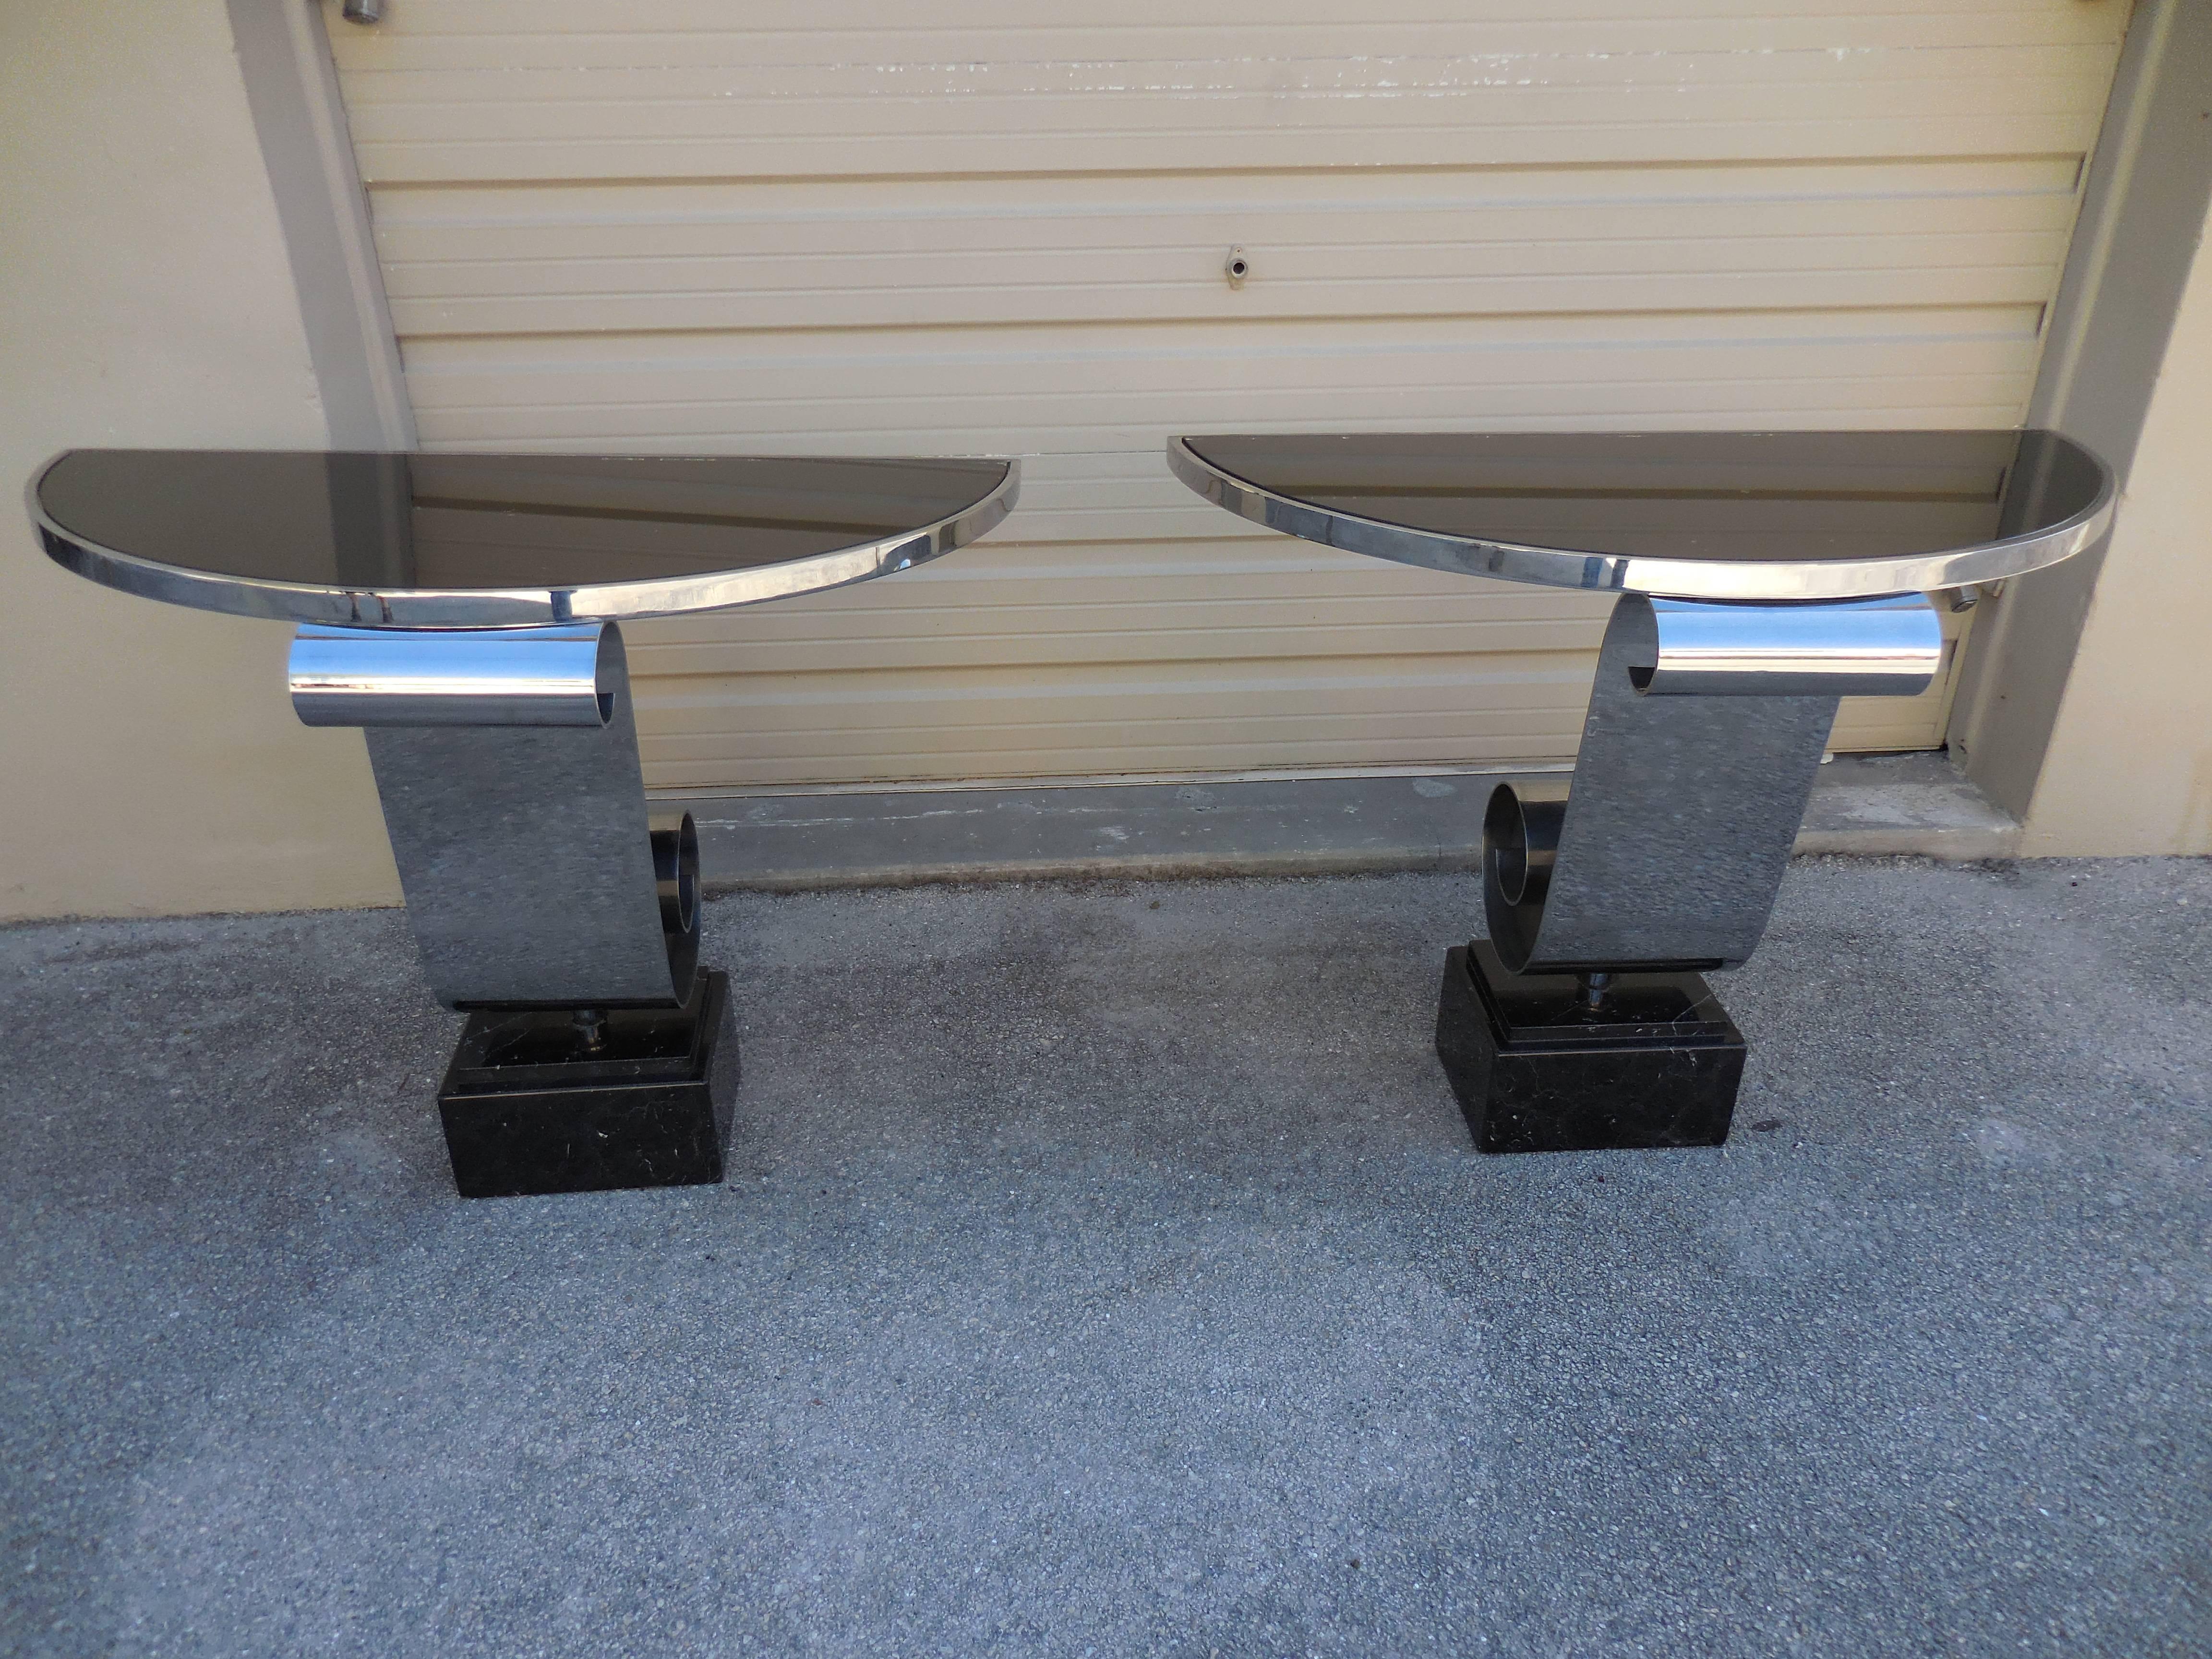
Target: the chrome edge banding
(1780, 579)
(433, 608)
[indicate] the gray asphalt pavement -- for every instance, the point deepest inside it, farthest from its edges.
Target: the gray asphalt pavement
(1105, 1270)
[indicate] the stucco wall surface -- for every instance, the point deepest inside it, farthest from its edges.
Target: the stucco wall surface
(149, 761)
(2129, 767)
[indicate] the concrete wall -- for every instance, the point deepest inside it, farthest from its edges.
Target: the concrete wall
(149, 761)
(2130, 765)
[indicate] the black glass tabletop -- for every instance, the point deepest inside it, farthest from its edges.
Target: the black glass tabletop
(1717, 515)
(457, 541)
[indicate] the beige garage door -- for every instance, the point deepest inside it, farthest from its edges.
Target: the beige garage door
(1000, 225)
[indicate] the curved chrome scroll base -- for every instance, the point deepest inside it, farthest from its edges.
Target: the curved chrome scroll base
(507, 764)
(1706, 729)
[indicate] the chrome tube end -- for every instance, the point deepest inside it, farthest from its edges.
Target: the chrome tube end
(1887, 648)
(460, 677)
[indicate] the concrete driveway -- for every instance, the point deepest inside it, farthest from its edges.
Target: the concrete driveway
(1104, 1269)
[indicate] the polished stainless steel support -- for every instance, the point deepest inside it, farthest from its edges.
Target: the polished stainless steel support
(1706, 728)
(506, 762)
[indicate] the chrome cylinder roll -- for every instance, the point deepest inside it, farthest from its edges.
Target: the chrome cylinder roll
(465, 677)
(1887, 648)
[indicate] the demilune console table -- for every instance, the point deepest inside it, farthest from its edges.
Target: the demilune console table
(1762, 577)
(465, 612)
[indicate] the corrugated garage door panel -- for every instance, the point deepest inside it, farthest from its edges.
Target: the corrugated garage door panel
(573, 91)
(1002, 388)
(644, 227)
(723, 257)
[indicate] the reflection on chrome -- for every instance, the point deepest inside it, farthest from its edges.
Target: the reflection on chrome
(1889, 647)
(465, 677)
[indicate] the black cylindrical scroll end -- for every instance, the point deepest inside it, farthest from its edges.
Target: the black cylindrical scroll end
(1520, 840)
(676, 876)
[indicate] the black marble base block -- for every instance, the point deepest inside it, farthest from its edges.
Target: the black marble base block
(1537, 1071)
(565, 1101)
